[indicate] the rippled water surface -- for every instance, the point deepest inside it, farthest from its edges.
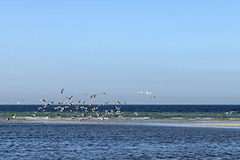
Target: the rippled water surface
(81, 141)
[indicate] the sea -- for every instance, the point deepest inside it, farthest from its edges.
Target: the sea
(21, 140)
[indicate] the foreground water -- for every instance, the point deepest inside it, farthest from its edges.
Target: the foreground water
(137, 132)
(82, 141)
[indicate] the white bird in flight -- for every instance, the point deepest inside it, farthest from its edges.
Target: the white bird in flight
(118, 102)
(148, 92)
(19, 101)
(42, 100)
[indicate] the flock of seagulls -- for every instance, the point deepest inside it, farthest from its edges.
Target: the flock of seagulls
(87, 110)
(91, 109)
(84, 108)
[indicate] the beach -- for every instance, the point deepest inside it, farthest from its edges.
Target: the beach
(125, 121)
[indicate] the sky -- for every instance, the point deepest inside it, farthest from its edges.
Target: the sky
(184, 52)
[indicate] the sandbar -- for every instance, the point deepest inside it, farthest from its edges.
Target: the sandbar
(98, 121)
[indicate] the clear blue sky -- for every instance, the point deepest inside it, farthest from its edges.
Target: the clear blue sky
(182, 51)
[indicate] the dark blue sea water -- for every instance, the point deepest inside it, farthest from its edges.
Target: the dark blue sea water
(134, 108)
(78, 141)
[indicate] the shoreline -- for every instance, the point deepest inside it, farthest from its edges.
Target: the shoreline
(148, 122)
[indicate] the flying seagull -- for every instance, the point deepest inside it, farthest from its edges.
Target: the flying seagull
(148, 92)
(118, 102)
(19, 101)
(69, 97)
(42, 100)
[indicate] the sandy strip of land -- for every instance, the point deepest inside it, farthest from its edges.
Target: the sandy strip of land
(125, 122)
(228, 124)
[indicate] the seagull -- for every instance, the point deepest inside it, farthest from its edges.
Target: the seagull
(51, 102)
(93, 109)
(63, 108)
(41, 108)
(19, 101)
(118, 108)
(84, 114)
(103, 93)
(70, 104)
(82, 107)
(69, 97)
(42, 100)
(148, 92)
(62, 91)
(58, 107)
(105, 103)
(230, 112)
(98, 113)
(14, 117)
(61, 102)
(118, 102)
(99, 106)
(92, 96)
(140, 92)
(72, 110)
(48, 116)
(103, 116)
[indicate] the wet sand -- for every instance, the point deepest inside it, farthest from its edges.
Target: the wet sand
(155, 122)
